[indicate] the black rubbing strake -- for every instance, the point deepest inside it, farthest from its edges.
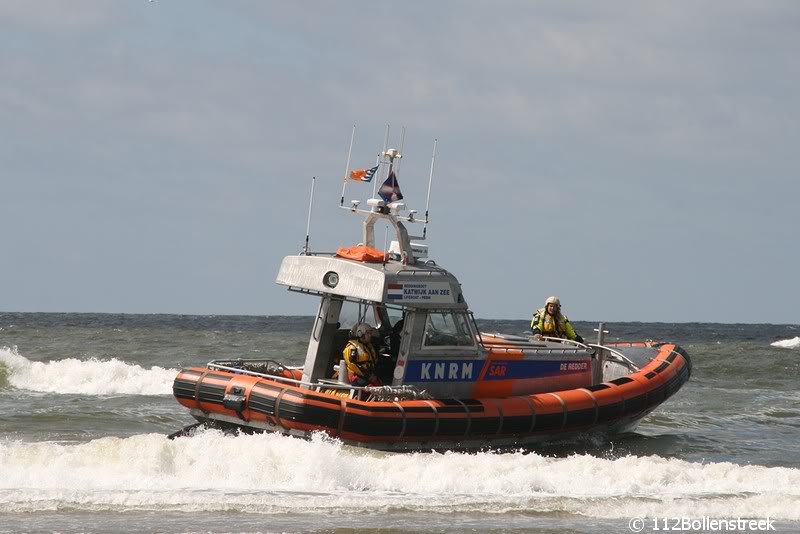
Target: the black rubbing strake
(211, 393)
(661, 367)
(301, 412)
(636, 404)
(657, 395)
(516, 424)
(373, 426)
(262, 403)
(610, 411)
(484, 426)
(621, 381)
(183, 389)
(453, 427)
(419, 427)
(577, 418)
(549, 421)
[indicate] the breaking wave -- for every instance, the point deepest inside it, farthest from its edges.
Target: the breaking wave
(273, 474)
(84, 377)
(793, 343)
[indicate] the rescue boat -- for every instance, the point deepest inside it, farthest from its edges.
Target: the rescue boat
(448, 386)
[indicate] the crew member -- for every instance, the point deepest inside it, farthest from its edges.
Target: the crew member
(360, 357)
(550, 322)
(388, 353)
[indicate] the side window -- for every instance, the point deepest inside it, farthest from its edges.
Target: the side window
(353, 313)
(445, 329)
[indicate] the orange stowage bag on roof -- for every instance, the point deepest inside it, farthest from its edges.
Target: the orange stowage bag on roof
(361, 253)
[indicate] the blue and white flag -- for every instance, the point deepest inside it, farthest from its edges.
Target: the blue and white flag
(390, 190)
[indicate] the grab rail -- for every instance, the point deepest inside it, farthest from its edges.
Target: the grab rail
(540, 350)
(622, 358)
(335, 385)
(565, 340)
(404, 391)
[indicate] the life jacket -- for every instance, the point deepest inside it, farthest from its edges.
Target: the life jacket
(360, 358)
(549, 325)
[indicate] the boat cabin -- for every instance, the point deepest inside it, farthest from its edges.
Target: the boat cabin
(416, 306)
(427, 335)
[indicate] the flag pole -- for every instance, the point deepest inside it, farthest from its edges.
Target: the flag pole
(385, 146)
(402, 142)
(430, 182)
(308, 224)
(385, 242)
(347, 169)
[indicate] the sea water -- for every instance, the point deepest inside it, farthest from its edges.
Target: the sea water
(86, 404)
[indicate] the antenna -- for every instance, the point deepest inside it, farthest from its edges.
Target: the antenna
(385, 243)
(430, 182)
(402, 142)
(347, 169)
(308, 225)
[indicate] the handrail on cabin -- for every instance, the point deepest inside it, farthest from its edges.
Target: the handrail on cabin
(622, 358)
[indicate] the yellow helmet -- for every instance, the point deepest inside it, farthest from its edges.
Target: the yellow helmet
(553, 300)
(361, 329)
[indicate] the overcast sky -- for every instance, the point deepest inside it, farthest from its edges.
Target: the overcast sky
(638, 159)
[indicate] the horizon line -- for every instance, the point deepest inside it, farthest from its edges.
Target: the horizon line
(312, 316)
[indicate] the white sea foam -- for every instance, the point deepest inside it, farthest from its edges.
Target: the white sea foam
(86, 377)
(275, 474)
(793, 343)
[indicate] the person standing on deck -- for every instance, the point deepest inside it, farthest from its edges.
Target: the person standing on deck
(550, 322)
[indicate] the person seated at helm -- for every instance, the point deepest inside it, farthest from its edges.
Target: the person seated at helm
(360, 357)
(384, 369)
(550, 322)
(395, 337)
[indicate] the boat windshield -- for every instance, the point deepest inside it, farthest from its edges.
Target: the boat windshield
(447, 329)
(353, 313)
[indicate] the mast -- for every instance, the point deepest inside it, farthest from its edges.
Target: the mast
(308, 224)
(347, 168)
(390, 211)
(430, 182)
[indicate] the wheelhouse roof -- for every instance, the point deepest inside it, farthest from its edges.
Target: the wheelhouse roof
(417, 285)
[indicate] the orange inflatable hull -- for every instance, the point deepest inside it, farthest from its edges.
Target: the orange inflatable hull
(261, 404)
